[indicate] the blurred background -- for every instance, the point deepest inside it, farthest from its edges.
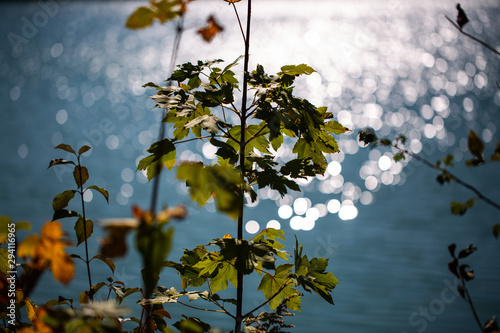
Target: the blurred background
(72, 73)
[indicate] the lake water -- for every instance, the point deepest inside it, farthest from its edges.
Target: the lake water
(75, 76)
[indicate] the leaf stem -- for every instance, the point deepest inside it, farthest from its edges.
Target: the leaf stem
(239, 23)
(268, 300)
(87, 261)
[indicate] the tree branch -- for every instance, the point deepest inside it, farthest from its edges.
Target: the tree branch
(472, 37)
(455, 178)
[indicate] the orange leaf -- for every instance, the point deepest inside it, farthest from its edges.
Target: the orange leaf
(48, 251)
(232, 1)
(52, 231)
(28, 246)
(63, 268)
(211, 29)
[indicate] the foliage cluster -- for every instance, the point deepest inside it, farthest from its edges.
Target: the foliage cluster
(196, 102)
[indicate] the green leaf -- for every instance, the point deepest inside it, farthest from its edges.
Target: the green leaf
(247, 255)
(302, 168)
(271, 284)
(475, 145)
(81, 175)
(218, 181)
(63, 213)
(163, 153)
(191, 325)
(59, 161)
(61, 200)
(448, 160)
(225, 151)
(225, 273)
(335, 127)
(143, 17)
(190, 274)
(83, 229)
(457, 208)
(399, 156)
(153, 244)
(100, 190)
(84, 149)
(311, 274)
(296, 70)
(210, 123)
(496, 230)
(105, 260)
(66, 147)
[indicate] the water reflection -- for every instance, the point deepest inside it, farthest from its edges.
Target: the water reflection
(373, 70)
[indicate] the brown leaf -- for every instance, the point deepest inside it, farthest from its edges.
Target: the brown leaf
(211, 29)
(461, 17)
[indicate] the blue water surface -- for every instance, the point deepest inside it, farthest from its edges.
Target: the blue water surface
(72, 73)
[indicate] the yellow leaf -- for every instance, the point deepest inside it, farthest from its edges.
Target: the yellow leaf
(52, 231)
(30, 309)
(228, 236)
(27, 248)
(48, 251)
(63, 269)
(232, 1)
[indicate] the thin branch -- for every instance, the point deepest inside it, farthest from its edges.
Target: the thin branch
(239, 23)
(198, 138)
(87, 261)
(161, 135)
(455, 178)
(472, 37)
(473, 309)
(203, 309)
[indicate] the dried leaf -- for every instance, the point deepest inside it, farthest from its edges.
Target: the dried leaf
(461, 17)
(212, 28)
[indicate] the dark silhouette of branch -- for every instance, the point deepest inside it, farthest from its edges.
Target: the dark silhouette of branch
(472, 37)
(454, 177)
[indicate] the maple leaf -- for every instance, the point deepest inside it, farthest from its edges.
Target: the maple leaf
(47, 251)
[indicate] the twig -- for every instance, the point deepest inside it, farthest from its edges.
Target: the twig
(472, 37)
(473, 309)
(455, 178)
(208, 310)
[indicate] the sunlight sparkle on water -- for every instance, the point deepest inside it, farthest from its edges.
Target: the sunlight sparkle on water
(252, 227)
